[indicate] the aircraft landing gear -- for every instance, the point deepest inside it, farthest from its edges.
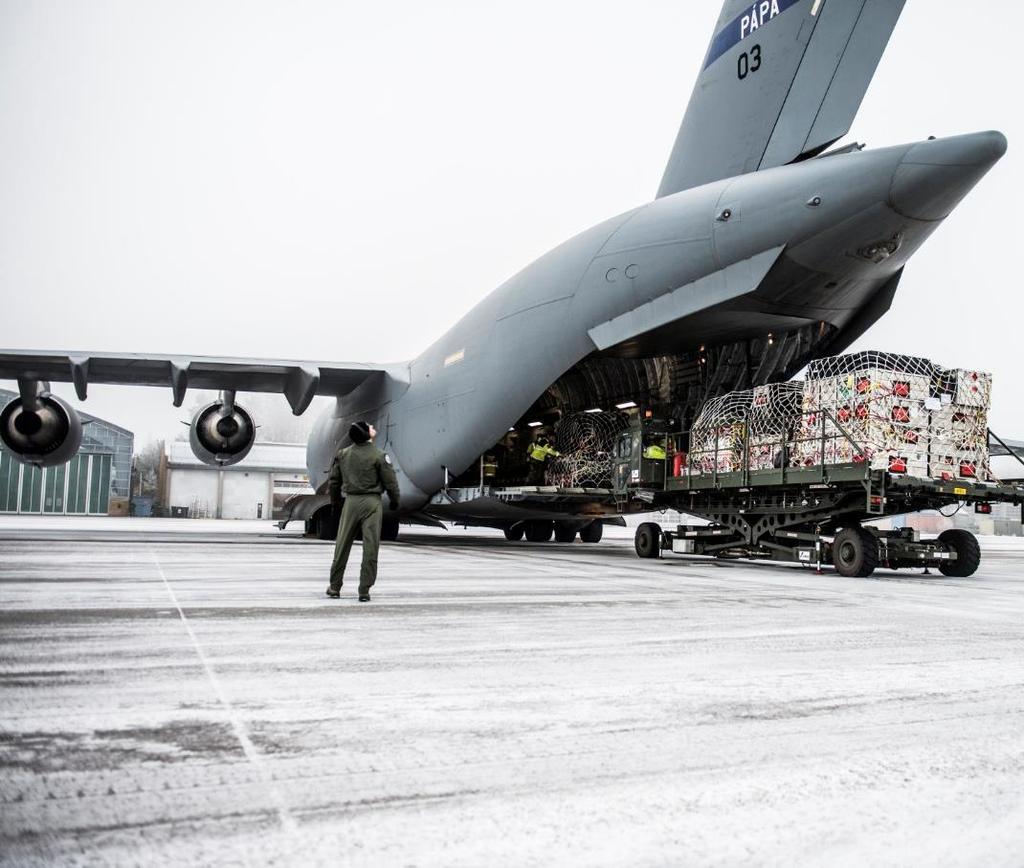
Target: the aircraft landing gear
(389, 527)
(539, 531)
(324, 524)
(564, 532)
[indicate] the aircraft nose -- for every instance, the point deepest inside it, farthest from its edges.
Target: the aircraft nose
(934, 176)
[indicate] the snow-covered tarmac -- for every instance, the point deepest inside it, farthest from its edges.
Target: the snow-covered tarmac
(181, 692)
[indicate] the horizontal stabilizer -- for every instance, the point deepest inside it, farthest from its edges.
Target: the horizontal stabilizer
(298, 381)
(783, 79)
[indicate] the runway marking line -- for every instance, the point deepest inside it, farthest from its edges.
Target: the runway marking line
(237, 724)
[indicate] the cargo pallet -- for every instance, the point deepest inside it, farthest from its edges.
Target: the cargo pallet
(813, 514)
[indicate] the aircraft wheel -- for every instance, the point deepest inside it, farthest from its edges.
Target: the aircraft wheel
(593, 532)
(389, 528)
(564, 533)
(539, 531)
(968, 553)
(325, 523)
(514, 533)
(647, 540)
(855, 553)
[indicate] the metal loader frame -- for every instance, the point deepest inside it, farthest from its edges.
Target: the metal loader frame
(794, 514)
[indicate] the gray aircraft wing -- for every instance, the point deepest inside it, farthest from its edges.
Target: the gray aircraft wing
(298, 381)
(782, 80)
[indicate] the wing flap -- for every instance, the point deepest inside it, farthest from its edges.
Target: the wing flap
(298, 381)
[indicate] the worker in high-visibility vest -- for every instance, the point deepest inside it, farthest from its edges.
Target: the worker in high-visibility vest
(655, 451)
(539, 453)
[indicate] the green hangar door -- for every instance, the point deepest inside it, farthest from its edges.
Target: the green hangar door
(80, 487)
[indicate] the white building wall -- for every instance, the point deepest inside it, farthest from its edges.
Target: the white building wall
(191, 487)
(242, 492)
(270, 472)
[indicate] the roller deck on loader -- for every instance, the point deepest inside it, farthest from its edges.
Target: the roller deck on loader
(777, 505)
(811, 514)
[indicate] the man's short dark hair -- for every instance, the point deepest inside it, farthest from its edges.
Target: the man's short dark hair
(359, 432)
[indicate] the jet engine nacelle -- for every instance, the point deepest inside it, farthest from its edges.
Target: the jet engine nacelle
(46, 436)
(222, 433)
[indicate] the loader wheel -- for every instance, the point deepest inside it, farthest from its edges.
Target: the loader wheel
(514, 533)
(539, 531)
(593, 532)
(855, 552)
(647, 541)
(968, 553)
(564, 533)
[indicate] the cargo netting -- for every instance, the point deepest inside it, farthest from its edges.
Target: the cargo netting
(893, 412)
(906, 415)
(586, 442)
(761, 418)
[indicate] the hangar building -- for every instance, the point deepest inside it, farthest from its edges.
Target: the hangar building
(257, 487)
(94, 482)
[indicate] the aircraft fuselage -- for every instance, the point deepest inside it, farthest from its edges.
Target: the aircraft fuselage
(701, 266)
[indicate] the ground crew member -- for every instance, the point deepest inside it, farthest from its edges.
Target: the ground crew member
(360, 472)
(655, 451)
(539, 453)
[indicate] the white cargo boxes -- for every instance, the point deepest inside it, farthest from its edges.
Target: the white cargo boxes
(897, 413)
(892, 412)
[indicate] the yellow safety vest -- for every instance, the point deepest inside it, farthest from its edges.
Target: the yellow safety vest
(656, 452)
(541, 453)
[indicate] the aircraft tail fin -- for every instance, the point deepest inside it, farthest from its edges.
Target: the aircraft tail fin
(782, 80)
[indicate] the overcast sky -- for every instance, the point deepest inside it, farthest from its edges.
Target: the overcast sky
(342, 181)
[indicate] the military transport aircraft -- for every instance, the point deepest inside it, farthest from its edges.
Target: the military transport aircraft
(761, 251)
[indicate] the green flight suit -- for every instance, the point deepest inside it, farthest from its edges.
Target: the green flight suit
(360, 472)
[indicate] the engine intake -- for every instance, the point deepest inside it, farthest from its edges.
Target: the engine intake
(222, 433)
(40, 429)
